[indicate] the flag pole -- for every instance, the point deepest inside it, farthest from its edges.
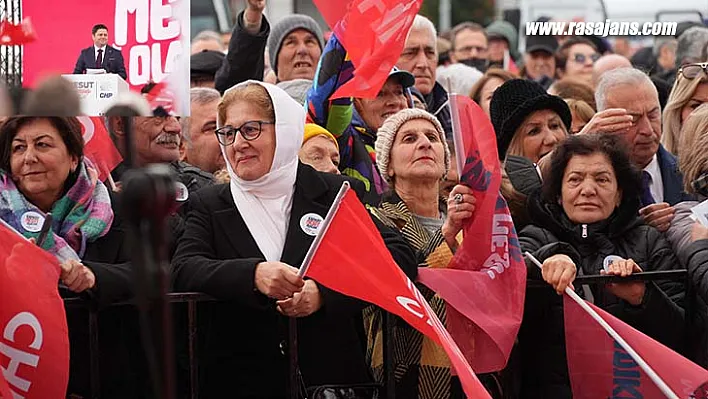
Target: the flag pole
(456, 129)
(647, 369)
(323, 229)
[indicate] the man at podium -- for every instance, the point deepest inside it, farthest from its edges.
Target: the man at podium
(100, 55)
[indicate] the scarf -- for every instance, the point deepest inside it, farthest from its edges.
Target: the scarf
(265, 204)
(82, 215)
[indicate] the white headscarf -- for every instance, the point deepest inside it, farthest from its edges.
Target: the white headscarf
(265, 203)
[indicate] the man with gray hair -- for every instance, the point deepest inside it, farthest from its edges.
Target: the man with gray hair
(203, 149)
(420, 58)
(207, 40)
(628, 105)
(688, 49)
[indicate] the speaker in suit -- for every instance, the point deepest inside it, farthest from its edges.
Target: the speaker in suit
(111, 61)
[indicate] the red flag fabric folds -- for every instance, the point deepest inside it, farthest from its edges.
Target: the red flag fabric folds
(485, 284)
(600, 368)
(373, 276)
(98, 146)
(374, 34)
(16, 35)
(34, 341)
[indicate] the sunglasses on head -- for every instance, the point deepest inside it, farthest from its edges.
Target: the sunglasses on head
(692, 71)
(580, 58)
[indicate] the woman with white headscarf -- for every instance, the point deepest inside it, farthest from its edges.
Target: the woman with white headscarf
(242, 244)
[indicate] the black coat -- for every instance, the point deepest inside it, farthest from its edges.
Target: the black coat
(112, 61)
(244, 333)
(121, 361)
(542, 339)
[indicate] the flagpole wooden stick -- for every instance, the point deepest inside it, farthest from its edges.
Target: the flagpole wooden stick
(323, 229)
(647, 369)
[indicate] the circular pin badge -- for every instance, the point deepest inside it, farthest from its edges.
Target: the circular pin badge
(182, 192)
(32, 221)
(310, 223)
(608, 261)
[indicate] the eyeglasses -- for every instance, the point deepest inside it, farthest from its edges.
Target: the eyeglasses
(580, 58)
(691, 71)
(250, 130)
(469, 49)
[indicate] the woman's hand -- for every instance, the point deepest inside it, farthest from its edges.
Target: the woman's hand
(559, 271)
(460, 208)
(303, 303)
(631, 291)
(277, 280)
(77, 277)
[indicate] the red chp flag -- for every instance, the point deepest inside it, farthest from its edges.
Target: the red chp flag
(374, 34)
(485, 284)
(600, 368)
(98, 146)
(373, 276)
(34, 345)
(16, 35)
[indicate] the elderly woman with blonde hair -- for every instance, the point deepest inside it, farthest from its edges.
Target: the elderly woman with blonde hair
(693, 164)
(689, 92)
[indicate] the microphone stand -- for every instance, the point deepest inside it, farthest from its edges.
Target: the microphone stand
(148, 199)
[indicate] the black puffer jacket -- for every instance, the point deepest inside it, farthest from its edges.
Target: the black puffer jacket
(541, 339)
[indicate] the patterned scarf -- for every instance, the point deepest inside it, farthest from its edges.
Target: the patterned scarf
(82, 215)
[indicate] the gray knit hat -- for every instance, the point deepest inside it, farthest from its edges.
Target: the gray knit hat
(283, 28)
(386, 135)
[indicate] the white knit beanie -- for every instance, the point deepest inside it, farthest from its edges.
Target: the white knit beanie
(386, 135)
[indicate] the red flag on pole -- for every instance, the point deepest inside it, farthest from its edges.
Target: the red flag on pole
(373, 276)
(98, 146)
(16, 35)
(600, 368)
(485, 284)
(374, 34)
(34, 341)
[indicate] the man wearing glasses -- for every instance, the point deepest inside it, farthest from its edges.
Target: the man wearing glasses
(575, 59)
(470, 45)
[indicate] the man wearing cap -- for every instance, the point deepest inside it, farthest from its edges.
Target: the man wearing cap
(319, 149)
(503, 41)
(539, 62)
(420, 58)
(294, 47)
(354, 122)
(203, 68)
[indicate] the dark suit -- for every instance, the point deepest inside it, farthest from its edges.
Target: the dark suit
(112, 61)
(241, 356)
(671, 178)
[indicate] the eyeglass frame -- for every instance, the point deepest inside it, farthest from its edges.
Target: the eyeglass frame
(594, 57)
(238, 130)
(703, 65)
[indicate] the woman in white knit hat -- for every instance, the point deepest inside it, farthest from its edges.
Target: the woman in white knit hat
(414, 158)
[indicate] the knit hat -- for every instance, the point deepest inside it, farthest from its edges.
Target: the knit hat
(386, 135)
(313, 130)
(296, 88)
(504, 30)
(515, 100)
(283, 28)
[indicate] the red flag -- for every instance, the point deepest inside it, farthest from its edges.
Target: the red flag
(485, 284)
(34, 341)
(600, 368)
(373, 276)
(374, 34)
(99, 147)
(4, 389)
(16, 35)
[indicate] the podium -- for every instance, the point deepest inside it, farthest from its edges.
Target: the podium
(97, 92)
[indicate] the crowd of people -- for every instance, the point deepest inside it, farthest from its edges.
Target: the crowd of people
(616, 144)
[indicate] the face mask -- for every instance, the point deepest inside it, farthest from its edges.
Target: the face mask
(479, 63)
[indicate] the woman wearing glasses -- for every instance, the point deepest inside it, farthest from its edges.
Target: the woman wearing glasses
(575, 58)
(243, 243)
(689, 92)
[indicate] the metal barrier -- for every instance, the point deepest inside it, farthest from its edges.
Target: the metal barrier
(193, 299)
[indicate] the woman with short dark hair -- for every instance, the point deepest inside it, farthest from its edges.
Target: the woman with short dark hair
(586, 212)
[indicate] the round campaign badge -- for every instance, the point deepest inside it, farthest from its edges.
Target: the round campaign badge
(608, 261)
(310, 223)
(32, 221)
(182, 192)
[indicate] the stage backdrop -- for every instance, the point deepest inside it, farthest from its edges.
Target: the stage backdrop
(153, 36)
